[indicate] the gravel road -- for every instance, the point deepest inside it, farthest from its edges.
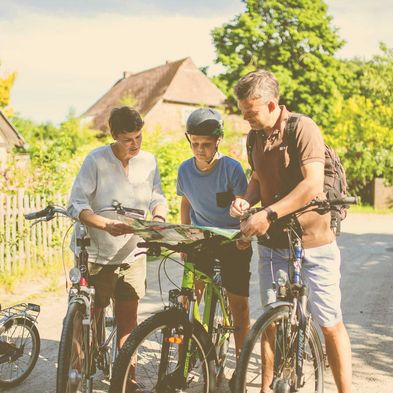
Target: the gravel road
(367, 270)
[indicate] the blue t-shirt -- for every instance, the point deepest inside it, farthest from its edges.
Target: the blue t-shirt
(201, 188)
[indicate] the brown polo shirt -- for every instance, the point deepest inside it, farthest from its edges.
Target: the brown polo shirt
(280, 171)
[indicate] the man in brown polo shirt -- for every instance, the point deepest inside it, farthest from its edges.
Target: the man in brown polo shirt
(285, 181)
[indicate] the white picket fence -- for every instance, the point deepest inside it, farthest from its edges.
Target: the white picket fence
(23, 246)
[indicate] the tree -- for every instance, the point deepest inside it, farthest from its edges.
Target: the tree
(6, 82)
(292, 38)
(363, 130)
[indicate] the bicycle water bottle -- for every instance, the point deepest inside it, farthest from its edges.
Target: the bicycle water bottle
(298, 257)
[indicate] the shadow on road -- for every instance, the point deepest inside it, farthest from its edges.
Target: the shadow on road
(367, 301)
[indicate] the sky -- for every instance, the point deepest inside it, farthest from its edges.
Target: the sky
(68, 53)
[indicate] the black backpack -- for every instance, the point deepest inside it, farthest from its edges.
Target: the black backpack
(335, 182)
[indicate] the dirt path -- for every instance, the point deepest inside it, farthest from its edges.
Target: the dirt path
(367, 285)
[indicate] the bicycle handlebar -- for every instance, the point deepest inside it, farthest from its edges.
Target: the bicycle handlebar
(323, 204)
(39, 214)
(350, 200)
(50, 211)
(154, 247)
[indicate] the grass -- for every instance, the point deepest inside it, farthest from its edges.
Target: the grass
(44, 276)
(369, 209)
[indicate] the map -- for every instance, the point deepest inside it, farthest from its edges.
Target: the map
(167, 232)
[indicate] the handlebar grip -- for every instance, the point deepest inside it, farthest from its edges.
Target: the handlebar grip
(143, 244)
(350, 200)
(39, 214)
(135, 211)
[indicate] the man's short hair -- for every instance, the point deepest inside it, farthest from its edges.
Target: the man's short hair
(125, 119)
(257, 84)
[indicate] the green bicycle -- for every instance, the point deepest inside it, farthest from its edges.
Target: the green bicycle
(180, 348)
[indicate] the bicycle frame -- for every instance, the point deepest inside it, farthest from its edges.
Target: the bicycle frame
(82, 293)
(294, 294)
(190, 275)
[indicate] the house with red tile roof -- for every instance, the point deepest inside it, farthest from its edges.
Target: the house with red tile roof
(165, 96)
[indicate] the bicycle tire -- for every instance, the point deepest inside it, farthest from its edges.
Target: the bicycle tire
(69, 360)
(16, 332)
(153, 359)
(248, 371)
(215, 329)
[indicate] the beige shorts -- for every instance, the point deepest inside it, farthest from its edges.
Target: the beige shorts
(111, 282)
(321, 273)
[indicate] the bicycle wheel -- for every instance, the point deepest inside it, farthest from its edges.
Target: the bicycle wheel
(150, 358)
(218, 330)
(19, 350)
(268, 356)
(72, 370)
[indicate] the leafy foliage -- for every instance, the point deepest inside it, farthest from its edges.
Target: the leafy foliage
(6, 83)
(364, 140)
(55, 156)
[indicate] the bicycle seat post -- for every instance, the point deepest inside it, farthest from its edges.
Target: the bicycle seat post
(83, 258)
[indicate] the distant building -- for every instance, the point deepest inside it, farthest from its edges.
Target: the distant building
(165, 96)
(9, 138)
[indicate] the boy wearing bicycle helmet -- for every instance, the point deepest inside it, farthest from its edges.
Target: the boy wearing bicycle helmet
(207, 183)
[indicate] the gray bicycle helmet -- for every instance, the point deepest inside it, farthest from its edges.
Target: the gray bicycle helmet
(205, 121)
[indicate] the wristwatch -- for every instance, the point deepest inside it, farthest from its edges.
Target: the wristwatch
(271, 214)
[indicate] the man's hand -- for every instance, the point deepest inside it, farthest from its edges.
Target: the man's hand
(257, 224)
(238, 207)
(117, 228)
(243, 244)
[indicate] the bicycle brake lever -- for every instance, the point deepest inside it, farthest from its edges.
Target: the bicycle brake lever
(141, 253)
(38, 221)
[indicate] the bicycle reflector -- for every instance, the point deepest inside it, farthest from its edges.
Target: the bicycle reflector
(75, 275)
(174, 340)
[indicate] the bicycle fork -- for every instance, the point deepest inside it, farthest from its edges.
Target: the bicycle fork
(177, 379)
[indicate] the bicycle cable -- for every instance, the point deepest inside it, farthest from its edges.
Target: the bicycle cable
(63, 258)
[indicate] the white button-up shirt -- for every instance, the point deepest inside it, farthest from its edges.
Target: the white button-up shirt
(101, 180)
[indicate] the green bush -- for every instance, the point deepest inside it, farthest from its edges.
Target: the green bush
(363, 138)
(56, 154)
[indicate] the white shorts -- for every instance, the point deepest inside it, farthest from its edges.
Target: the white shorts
(320, 272)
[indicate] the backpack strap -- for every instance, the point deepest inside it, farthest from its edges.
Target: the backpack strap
(291, 127)
(251, 140)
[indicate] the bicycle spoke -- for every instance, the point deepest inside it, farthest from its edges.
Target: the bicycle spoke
(153, 365)
(271, 361)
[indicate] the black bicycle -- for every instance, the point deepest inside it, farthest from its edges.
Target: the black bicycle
(87, 343)
(283, 349)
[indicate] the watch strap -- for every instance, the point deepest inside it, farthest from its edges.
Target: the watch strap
(271, 215)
